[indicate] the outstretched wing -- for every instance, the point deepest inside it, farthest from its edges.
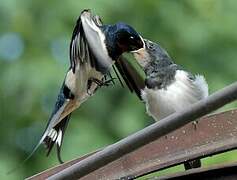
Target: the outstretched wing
(88, 43)
(88, 57)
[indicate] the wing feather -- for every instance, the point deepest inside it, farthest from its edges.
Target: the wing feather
(130, 75)
(95, 38)
(88, 44)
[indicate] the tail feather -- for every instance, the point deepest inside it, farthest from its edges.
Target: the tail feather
(55, 136)
(29, 156)
(59, 154)
(49, 138)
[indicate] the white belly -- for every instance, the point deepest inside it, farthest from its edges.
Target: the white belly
(177, 96)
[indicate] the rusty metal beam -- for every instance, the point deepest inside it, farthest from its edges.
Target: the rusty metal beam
(49, 172)
(214, 134)
(149, 134)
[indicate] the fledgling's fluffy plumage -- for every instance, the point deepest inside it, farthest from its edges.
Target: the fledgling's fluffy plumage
(168, 87)
(178, 95)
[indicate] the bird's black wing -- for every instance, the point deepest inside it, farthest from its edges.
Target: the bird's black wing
(88, 43)
(130, 75)
(87, 52)
(78, 51)
(88, 55)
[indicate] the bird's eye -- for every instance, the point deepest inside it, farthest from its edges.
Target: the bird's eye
(131, 38)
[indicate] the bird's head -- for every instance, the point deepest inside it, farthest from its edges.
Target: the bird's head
(127, 39)
(122, 38)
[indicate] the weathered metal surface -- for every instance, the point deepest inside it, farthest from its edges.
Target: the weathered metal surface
(49, 172)
(220, 172)
(214, 134)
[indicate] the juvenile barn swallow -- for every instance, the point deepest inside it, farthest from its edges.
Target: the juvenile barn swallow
(168, 87)
(93, 50)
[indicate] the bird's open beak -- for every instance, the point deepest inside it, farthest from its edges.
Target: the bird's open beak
(141, 56)
(140, 53)
(142, 45)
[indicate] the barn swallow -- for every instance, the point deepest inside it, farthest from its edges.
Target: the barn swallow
(168, 87)
(94, 48)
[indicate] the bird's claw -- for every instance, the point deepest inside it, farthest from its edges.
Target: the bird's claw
(100, 83)
(195, 123)
(89, 92)
(108, 82)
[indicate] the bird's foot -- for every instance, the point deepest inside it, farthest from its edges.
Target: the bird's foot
(96, 81)
(89, 84)
(89, 92)
(100, 83)
(195, 123)
(108, 82)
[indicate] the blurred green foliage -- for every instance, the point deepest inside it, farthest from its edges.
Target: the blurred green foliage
(34, 39)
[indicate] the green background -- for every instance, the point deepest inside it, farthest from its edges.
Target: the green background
(200, 35)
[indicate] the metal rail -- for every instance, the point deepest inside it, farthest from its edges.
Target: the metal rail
(214, 134)
(148, 134)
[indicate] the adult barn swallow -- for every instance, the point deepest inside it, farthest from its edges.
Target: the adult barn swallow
(93, 50)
